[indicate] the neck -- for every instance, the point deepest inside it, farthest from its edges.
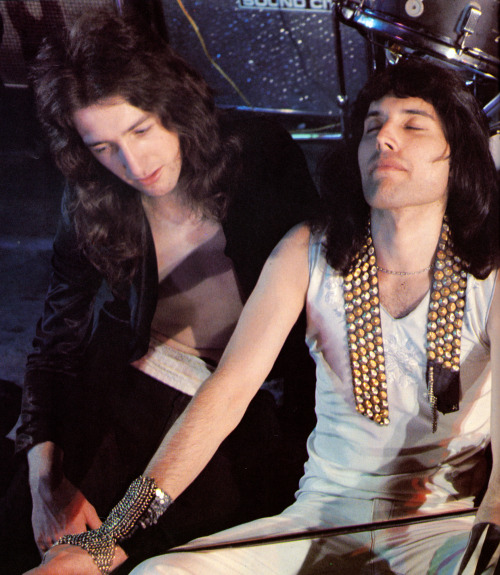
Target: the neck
(405, 242)
(168, 210)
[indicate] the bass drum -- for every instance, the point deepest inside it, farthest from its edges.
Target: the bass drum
(461, 31)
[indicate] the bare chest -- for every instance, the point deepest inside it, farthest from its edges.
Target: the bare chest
(199, 299)
(400, 295)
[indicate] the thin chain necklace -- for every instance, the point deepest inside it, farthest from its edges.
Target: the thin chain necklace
(444, 324)
(404, 273)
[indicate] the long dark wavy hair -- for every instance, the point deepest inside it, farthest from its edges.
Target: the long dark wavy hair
(105, 55)
(472, 206)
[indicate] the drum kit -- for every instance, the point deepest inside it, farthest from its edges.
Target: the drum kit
(462, 33)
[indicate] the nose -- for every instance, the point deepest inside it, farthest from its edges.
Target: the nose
(130, 160)
(386, 137)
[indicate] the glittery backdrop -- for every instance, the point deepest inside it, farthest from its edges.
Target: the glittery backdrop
(23, 23)
(277, 55)
(279, 58)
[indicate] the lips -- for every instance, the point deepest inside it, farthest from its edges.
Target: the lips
(387, 164)
(151, 179)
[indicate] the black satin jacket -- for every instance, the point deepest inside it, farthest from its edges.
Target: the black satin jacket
(276, 192)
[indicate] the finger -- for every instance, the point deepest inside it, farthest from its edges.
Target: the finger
(54, 551)
(92, 519)
(44, 544)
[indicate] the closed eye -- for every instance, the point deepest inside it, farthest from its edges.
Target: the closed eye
(98, 149)
(143, 130)
(415, 124)
(372, 128)
(418, 121)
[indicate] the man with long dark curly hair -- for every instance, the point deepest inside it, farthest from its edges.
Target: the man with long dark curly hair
(170, 211)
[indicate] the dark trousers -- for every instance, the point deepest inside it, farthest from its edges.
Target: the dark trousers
(110, 433)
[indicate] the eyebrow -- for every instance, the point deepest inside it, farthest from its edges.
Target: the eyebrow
(407, 112)
(127, 131)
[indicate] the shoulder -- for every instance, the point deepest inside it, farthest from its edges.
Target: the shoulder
(299, 235)
(294, 245)
(480, 292)
(286, 271)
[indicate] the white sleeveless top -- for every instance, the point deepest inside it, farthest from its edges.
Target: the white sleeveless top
(350, 455)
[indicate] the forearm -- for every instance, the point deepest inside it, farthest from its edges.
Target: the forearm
(483, 547)
(489, 510)
(62, 335)
(190, 444)
(266, 321)
(45, 466)
(37, 424)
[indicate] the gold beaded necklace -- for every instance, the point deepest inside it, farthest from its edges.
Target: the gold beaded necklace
(444, 324)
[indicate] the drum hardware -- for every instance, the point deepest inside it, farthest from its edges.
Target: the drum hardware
(414, 8)
(492, 111)
(463, 32)
(350, 14)
(342, 98)
(470, 21)
(492, 108)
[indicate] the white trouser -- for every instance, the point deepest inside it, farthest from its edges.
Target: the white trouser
(419, 548)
